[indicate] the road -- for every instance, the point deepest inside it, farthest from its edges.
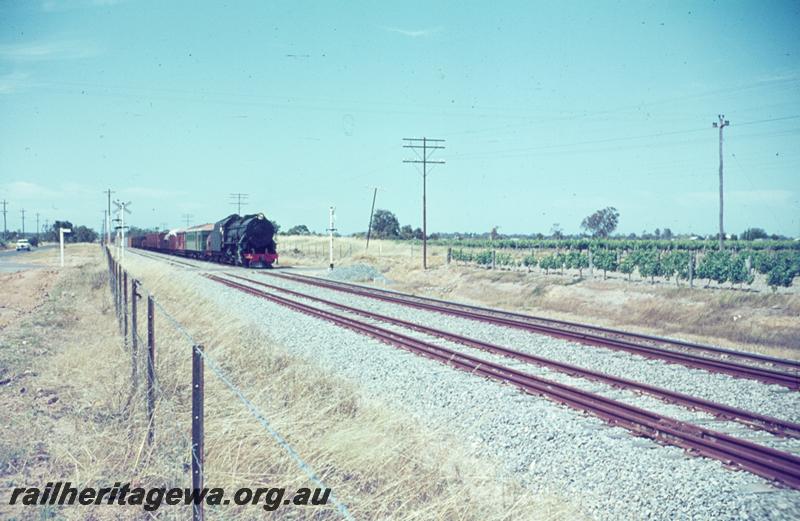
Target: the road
(12, 261)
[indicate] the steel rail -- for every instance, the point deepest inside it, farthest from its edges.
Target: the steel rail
(763, 374)
(166, 257)
(763, 461)
(754, 357)
(759, 421)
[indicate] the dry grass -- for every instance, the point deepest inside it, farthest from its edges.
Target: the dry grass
(378, 462)
(760, 322)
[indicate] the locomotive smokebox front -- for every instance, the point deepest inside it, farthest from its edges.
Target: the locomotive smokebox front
(260, 233)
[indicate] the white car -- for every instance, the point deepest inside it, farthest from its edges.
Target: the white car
(23, 244)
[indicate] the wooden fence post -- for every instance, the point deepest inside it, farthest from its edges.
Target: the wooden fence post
(125, 307)
(151, 369)
(119, 295)
(198, 427)
(134, 337)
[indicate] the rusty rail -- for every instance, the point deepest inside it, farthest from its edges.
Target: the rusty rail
(763, 461)
(751, 419)
(618, 342)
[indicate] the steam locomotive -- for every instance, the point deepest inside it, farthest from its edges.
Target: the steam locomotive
(247, 240)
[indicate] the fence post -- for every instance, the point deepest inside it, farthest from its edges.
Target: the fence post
(449, 255)
(119, 295)
(125, 307)
(494, 258)
(691, 270)
(151, 368)
(198, 427)
(134, 338)
(591, 265)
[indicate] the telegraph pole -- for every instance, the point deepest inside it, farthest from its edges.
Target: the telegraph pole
(427, 151)
(37, 227)
(371, 213)
(720, 125)
(108, 223)
(188, 218)
(23, 222)
(5, 228)
(239, 200)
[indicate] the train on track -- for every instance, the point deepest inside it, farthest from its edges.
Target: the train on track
(241, 240)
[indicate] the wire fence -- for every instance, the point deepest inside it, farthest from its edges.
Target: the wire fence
(127, 293)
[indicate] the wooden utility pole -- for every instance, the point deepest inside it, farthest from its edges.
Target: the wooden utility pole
(720, 125)
(424, 159)
(108, 216)
(5, 228)
(371, 213)
(23, 222)
(238, 200)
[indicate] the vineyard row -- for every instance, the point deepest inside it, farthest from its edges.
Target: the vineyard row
(779, 267)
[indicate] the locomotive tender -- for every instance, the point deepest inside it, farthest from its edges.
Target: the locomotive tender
(247, 240)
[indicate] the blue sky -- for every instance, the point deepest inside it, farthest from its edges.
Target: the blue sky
(550, 110)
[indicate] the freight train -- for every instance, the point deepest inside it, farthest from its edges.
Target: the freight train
(247, 240)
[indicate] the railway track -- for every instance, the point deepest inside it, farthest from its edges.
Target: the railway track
(754, 366)
(759, 421)
(769, 463)
(165, 258)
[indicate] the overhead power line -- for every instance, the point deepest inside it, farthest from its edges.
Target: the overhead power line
(524, 151)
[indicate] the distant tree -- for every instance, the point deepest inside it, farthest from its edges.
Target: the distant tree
(752, 234)
(657, 233)
(83, 234)
(555, 231)
(602, 222)
(276, 226)
(385, 225)
(667, 234)
(300, 229)
(134, 231)
(406, 232)
(493, 234)
(418, 234)
(51, 235)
